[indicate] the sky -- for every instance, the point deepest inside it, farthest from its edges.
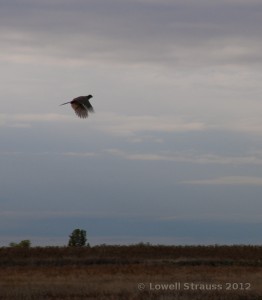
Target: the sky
(173, 152)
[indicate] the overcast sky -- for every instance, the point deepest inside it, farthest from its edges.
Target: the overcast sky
(173, 153)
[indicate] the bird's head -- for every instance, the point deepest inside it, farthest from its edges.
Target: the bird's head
(90, 96)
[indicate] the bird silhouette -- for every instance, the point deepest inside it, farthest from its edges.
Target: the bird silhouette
(81, 106)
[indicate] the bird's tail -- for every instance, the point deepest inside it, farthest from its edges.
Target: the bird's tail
(65, 103)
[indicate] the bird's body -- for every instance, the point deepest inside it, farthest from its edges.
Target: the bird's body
(81, 106)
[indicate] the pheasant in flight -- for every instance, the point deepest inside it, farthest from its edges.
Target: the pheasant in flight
(81, 106)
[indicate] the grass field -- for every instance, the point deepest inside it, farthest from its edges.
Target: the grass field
(131, 272)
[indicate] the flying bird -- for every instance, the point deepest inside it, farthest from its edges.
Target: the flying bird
(81, 106)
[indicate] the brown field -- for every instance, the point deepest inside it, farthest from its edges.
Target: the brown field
(131, 272)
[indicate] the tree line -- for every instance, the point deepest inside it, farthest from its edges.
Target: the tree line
(77, 238)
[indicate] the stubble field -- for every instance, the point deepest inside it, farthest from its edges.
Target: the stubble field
(131, 272)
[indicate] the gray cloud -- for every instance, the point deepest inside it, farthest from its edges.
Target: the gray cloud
(187, 33)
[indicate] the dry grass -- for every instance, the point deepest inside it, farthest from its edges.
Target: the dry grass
(108, 273)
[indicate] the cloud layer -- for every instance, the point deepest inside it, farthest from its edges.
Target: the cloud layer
(177, 124)
(181, 33)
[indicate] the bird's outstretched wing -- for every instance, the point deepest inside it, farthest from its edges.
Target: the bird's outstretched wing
(89, 106)
(80, 109)
(85, 101)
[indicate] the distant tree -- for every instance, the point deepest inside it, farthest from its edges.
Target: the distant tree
(143, 244)
(22, 244)
(25, 244)
(77, 238)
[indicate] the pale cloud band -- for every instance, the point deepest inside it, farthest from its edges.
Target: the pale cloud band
(128, 125)
(228, 181)
(190, 157)
(122, 125)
